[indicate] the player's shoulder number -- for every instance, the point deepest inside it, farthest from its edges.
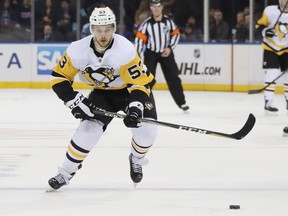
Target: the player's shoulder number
(63, 61)
(136, 70)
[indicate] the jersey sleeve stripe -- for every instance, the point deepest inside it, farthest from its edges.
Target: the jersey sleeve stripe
(58, 80)
(139, 87)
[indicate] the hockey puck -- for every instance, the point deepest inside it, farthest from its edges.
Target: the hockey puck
(285, 132)
(234, 207)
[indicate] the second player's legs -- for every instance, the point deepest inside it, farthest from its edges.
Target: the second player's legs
(270, 75)
(285, 85)
(271, 65)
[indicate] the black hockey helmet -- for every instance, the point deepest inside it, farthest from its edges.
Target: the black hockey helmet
(156, 2)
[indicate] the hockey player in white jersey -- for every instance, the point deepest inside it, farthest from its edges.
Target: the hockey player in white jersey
(274, 27)
(110, 64)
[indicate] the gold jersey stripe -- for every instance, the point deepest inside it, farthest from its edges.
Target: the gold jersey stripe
(138, 87)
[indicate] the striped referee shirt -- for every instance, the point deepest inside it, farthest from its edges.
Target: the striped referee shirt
(157, 35)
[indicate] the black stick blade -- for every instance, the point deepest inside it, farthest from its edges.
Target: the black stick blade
(246, 128)
(256, 91)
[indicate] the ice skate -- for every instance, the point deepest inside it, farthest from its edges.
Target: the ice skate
(136, 168)
(61, 179)
(57, 182)
(270, 109)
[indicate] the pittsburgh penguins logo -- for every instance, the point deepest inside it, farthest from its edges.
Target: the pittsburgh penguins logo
(281, 30)
(100, 75)
(283, 27)
(149, 105)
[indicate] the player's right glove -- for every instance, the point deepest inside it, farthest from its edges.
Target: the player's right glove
(269, 32)
(80, 106)
(135, 111)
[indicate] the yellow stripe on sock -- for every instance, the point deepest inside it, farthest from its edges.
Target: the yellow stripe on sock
(139, 148)
(75, 154)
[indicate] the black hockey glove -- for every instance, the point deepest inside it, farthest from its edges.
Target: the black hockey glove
(135, 111)
(269, 33)
(80, 106)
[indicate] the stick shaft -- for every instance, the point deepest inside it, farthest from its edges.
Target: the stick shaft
(280, 14)
(255, 91)
(238, 135)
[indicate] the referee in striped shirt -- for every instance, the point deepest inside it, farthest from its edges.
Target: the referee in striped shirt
(159, 35)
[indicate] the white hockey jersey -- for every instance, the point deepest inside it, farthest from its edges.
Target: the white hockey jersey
(278, 43)
(120, 66)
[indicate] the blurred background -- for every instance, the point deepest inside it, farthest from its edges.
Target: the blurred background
(219, 49)
(67, 20)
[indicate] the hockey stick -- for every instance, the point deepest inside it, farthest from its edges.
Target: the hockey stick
(256, 91)
(238, 135)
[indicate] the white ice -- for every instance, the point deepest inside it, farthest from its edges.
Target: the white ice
(188, 174)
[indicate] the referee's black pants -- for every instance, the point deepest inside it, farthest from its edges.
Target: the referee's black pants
(170, 72)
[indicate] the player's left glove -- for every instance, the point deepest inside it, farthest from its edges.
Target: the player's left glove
(135, 111)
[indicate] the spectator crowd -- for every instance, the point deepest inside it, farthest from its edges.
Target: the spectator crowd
(55, 20)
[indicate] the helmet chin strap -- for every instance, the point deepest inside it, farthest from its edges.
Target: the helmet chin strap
(99, 48)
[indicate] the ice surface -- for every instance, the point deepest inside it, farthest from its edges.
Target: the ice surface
(188, 174)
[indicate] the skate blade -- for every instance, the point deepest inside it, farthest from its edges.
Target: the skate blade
(269, 113)
(186, 112)
(50, 189)
(135, 185)
(285, 134)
